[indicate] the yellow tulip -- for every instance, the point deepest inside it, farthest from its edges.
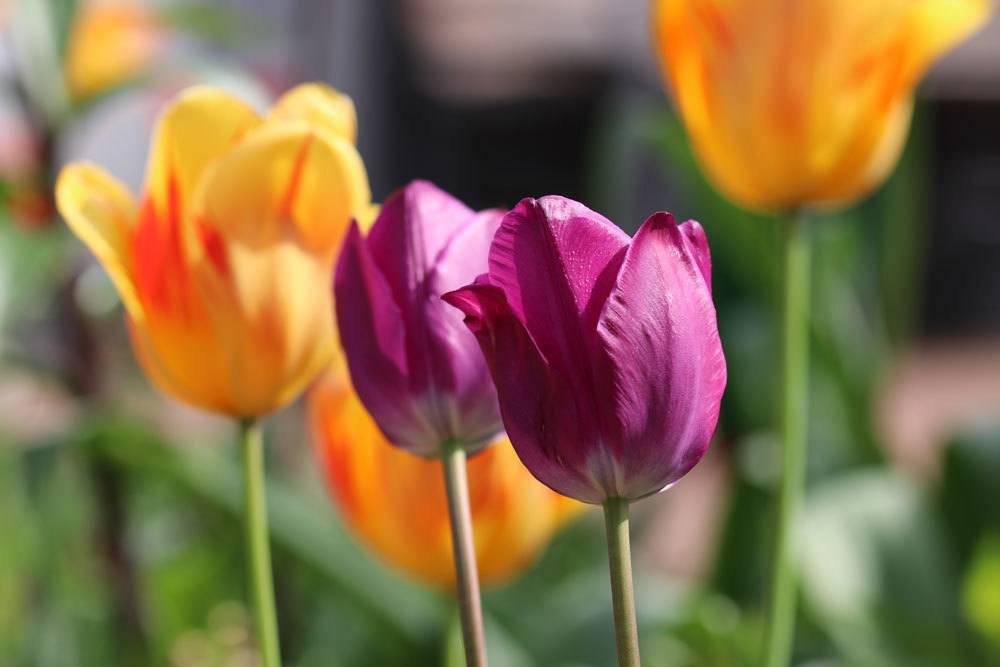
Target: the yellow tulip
(804, 103)
(395, 502)
(225, 265)
(110, 42)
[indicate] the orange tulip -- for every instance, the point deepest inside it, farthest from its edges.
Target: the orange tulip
(804, 103)
(225, 265)
(110, 42)
(395, 502)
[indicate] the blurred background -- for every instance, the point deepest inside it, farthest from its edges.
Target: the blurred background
(119, 535)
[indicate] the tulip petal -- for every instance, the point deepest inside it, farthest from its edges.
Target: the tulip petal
(667, 371)
(456, 362)
(543, 416)
(102, 213)
(319, 106)
(373, 341)
(407, 243)
(202, 124)
(285, 182)
(556, 261)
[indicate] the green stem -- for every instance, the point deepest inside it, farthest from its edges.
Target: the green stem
(780, 623)
(258, 547)
(466, 574)
(622, 590)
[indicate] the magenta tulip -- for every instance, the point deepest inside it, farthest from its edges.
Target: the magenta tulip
(414, 365)
(604, 349)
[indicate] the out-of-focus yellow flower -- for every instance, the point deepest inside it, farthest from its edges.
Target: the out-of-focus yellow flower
(225, 265)
(396, 501)
(110, 42)
(804, 103)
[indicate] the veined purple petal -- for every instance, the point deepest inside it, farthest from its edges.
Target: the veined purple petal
(666, 367)
(373, 341)
(540, 412)
(424, 242)
(556, 261)
(468, 399)
(698, 246)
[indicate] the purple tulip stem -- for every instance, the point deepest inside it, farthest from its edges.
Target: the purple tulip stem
(466, 574)
(258, 547)
(622, 590)
(780, 622)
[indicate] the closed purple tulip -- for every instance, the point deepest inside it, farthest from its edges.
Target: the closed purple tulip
(412, 361)
(604, 349)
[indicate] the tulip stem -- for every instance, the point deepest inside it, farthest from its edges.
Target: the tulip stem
(466, 573)
(794, 278)
(622, 590)
(258, 547)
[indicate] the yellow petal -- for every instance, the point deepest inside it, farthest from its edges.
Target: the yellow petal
(319, 106)
(272, 314)
(935, 26)
(286, 182)
(102, 213)
(198, 127)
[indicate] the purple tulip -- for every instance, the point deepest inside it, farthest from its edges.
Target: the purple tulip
(413, 363)
(604, 349)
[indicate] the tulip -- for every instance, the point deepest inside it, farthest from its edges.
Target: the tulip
(802, 105)
(219, 265)
(606, 357)
(395, 502)
(110, 43)
(415, 367)
(790, 107)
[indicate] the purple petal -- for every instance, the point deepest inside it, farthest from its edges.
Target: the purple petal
(697, 244)
(540, 412)
(666, 367)
(556, 261)
(369, 324)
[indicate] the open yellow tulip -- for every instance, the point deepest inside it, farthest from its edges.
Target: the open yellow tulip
(806, 103)
(396, 501)
(225, 265)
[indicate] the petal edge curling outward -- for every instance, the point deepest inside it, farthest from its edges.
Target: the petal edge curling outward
(667, 371)
(102, 212)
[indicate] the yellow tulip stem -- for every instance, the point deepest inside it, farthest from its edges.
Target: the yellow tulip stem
(795, 280)
(258, 547)
(464, 549)
(622, 589)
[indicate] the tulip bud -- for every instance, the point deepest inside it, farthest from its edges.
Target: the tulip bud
(415, 367)
(604, 349)
(805, 103)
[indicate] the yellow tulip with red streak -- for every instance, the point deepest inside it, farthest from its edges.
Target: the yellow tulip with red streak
(804, 103)
(395, 502)
(224, 262)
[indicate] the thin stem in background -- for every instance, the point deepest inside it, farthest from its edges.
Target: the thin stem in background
(780, 622)
(466, 573)
(622, 590)
(258, 545)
